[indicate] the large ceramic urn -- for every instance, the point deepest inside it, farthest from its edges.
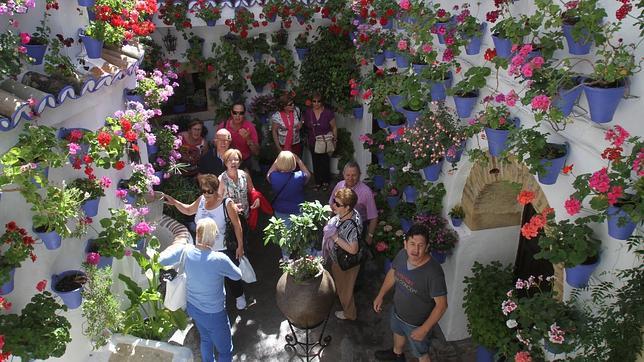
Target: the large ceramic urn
(306, 304)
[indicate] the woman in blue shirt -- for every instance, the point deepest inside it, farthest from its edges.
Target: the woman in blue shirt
(205, 293)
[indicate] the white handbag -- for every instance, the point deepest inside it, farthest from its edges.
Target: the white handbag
(324, 143)
(248, 274)
(175, 289)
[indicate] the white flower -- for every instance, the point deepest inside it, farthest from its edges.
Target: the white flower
(511, 323)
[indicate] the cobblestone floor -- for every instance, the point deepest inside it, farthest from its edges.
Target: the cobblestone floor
(259, 331)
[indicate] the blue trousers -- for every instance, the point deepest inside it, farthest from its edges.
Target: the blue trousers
(214, 329)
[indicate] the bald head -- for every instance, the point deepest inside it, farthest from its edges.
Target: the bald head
(222, 140)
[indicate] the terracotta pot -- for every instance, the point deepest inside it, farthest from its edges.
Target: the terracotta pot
(306, 304)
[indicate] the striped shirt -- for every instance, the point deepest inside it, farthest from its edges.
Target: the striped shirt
(347, 230)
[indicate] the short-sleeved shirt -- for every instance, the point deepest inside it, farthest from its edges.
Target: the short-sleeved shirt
(210, 163)
(216, 214)
(191, 152)
(347, 230)
(238, 191)
(205, 273)
(417, 288)
(238, 142)
(366, 204)
(292, 195)
(276, 120)
(317, 126)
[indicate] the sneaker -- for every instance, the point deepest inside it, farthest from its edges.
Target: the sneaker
(389, 355)
(241, 302)
(340, 315)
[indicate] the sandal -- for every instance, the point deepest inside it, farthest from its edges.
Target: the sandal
(317, 187)
(325, 187)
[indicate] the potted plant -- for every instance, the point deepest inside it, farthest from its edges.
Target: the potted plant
(582, 25)
(263, 106)
(17, 246)
(303, 12)
(93, 190)
(430, 198)
(392, 194)
(606, 85)
(442, 238)
(166, 158)
(377, 175)
(385, 11)
(242, 22)
(154, 88)
(439, 76)
(305, 302)
(262, 75)
(467, 90)
(12, 57)
(484, 291)
(406, 212)
(146, 317)
(38, 332)
(302, 45)
(611, 191)
(207, 11)
(388, 240)
(38, 41)
(531, 146)
(470, 29)
(101, 308)
(344, 150)
(60, 68)
(533, 314)
(507, 32)
(172, 12)
(457, 214)
(118, 234)
(497, 122)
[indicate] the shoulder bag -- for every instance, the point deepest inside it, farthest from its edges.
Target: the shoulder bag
(175, 289)
(230, 239)
(345, 259)
(323, 143)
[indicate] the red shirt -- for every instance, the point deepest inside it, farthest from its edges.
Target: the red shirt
(238, 142)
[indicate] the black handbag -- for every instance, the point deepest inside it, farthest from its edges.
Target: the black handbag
(347, 260)
(230, 239)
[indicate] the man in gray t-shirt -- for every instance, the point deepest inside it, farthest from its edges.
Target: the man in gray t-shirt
(420, 298)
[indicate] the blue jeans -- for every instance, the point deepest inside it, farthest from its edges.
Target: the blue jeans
(214, 329)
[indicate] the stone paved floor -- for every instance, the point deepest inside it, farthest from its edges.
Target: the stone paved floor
(259, 331)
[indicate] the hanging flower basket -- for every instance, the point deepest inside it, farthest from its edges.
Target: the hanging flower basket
(620, 224)
(576, 47)
(7, 287)
(93, 47)
(578, 276)
(553, 166)
(68, 285)
(503, 46)
(51, 239)
(37, 52)
(603, 102)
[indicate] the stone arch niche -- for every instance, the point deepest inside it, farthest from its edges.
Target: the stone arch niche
(488, 198)
(493, 219)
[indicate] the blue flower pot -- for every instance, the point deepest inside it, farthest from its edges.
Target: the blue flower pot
(580, 47)
(91, 15)
(411, 116)
(358, 112)
(37, 52)
(578, 276)
(392, 201)
(395, 100)
(503, 46)
(437, 90)
(567, 98)
(410, 193)
(211, 22)
(179, 108)
(272, 18)
(259, 88)
(263, 118)
(458, 152)
(473, 46)
(44, 175)
(440, 257)
(553, 168)
(51, 239)
(390, 54)
(441, 38)
(159, 174)
(72, 298)
(456, 221)
(381, 158)
(378, 182)
(405, 224)
(7, 287)
(301, 53)
(104, 261)
(152, 149)
(465, 105)
(603, 102)
(87, 3)
(387, 265)
(129, 97)
(620, 224)
(496, 140)
(402, 60)
(484, 355)
(93, 47)
(418, 68)
(389, 25)
(257, 57)
(394, 130)
(381, 123)
(90, 207)
(300, 19)
(432, 172)
(379, 59)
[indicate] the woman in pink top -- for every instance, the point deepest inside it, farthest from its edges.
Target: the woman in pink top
(193, 143)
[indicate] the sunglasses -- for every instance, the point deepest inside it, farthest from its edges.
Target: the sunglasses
(209, 192)
(290, 104)
(235, 113)
(316, 101)
(337, 204)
